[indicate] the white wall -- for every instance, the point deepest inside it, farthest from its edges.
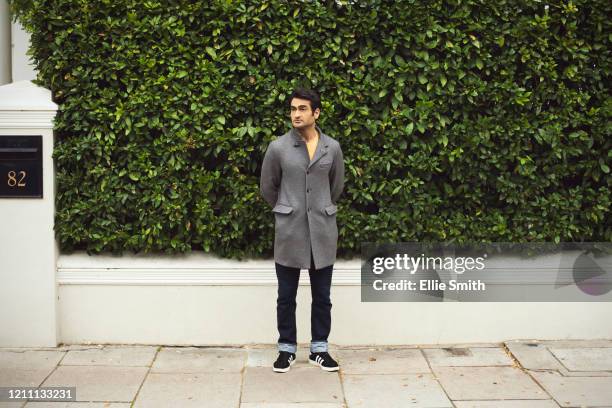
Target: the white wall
(5, 43)
(22, 68)
(15, 65)
(28, 250)
(235, 315)
(198, 299)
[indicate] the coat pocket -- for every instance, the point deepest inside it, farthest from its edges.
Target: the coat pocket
(282, 209)
(330, 209)
(325, 164)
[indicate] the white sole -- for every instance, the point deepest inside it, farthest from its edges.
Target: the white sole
(323, 368)
(283, 370)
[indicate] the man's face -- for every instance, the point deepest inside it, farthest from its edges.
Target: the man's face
(302, 116)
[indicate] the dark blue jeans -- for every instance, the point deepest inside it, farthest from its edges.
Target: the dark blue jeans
(320, 313)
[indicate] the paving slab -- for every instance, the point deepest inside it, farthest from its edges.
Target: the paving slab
(394, 391)
(26, 368)
(78, 405)
(265, 357)
(576, 373)
(507, 404)
(84, 346)
(30, 359)
(305, 347)
(576, 343)
(185, 390)
(112, 355)
(99, 383)
(567, 373)
(11, 404)
(534, 356)
(468, 356)
(190, 360)
(392, 361)
(300, 384)
(378, 347)
(23, 378)
(261, 357)
(291, 405)
(488, 383)
(462, 345)
(576, 391)
(22, 349)
(61, 347)
(584, 359)
(88, 346)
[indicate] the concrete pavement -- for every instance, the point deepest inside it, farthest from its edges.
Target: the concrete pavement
(513, 374)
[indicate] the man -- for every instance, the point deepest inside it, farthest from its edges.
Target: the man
(302, 177)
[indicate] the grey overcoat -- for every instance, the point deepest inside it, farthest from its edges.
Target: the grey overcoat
(303, 195)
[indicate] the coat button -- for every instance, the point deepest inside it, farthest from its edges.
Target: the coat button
(308, 209)
(307, 172)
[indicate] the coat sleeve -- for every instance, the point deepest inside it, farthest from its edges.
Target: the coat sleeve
(336, 176)
(269, 182)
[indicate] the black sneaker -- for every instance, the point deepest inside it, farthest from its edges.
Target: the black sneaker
(323, 360)
(284, 362)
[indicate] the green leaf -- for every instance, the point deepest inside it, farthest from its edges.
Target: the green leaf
(409, 128)
(211, 52)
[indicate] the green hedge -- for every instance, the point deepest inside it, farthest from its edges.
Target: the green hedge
(459, 120)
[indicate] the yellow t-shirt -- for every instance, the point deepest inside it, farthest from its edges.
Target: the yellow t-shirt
(312, 146)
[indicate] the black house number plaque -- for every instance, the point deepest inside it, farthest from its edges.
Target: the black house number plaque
(21, 171)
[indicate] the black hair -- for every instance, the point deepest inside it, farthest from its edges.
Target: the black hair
(309, 94)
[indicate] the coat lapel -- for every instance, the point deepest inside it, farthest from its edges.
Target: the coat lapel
(320, 152)
(322, 148)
